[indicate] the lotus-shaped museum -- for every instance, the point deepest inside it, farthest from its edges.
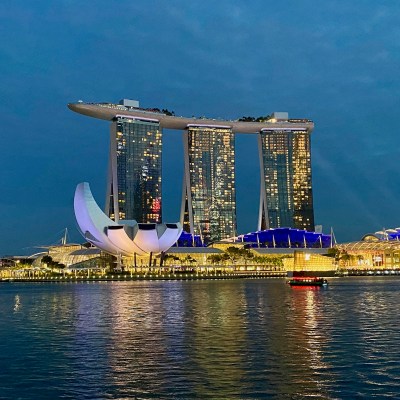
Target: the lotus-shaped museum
(125, 238)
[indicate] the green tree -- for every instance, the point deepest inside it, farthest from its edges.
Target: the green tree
(234, 253)
(333, 252)
(47, 260)
(189, 259)
(246, 254)
(344, 257)
(214, 258)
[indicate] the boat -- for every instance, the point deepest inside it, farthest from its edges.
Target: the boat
(307, 281)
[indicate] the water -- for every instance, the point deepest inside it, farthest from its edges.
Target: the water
(233, 339)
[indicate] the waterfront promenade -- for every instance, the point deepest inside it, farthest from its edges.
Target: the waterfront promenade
(103, 276)
(90, 276)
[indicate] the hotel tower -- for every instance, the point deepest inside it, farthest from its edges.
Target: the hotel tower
(286, 190)
(208, 200)
(134, 173)
(209, 190)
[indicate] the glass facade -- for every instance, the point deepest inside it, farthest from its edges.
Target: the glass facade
(136, 150)
(286, 165)
(209, 209)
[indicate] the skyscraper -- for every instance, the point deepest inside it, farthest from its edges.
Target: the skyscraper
(134, 180)
(209, 198)
(286, 191)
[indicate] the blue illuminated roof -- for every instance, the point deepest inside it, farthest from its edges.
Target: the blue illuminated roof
(188, 240)
(270, 238)
(286, 238)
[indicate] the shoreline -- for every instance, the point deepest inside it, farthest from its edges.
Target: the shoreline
(119, 277)
(147, 277)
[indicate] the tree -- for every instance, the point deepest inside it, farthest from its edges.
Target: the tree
(233, 253)
(214, 258)
(189, 259)
(47, 260)
(345, 257)
(333, 252)
(246, 254)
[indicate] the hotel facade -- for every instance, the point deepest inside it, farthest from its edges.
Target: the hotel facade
(209, 191)
(134, 173)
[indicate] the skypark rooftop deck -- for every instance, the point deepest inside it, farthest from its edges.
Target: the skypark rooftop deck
(108, 112)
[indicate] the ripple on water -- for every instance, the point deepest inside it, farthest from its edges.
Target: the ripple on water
(205, 339)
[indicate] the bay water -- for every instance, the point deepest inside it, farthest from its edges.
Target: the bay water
(209, 339)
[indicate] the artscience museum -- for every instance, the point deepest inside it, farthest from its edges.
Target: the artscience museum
(127, 238)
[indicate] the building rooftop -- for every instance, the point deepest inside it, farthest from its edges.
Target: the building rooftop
(382, 245)
(109, 111)
(199, 250)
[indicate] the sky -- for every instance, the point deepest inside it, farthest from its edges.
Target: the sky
(336, 62)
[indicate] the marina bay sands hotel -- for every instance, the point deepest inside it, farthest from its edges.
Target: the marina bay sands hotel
(209, 195)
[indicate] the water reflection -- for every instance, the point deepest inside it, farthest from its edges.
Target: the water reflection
(167, 338)
(138, 337)
(203, 339)
(302, 342)
(17, 304)
(217, 339)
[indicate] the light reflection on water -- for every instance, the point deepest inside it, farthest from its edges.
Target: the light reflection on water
(240, 339)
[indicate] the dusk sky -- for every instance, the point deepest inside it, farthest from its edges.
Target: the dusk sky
(335, 62)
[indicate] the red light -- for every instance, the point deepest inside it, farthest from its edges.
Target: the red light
(156, 207)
